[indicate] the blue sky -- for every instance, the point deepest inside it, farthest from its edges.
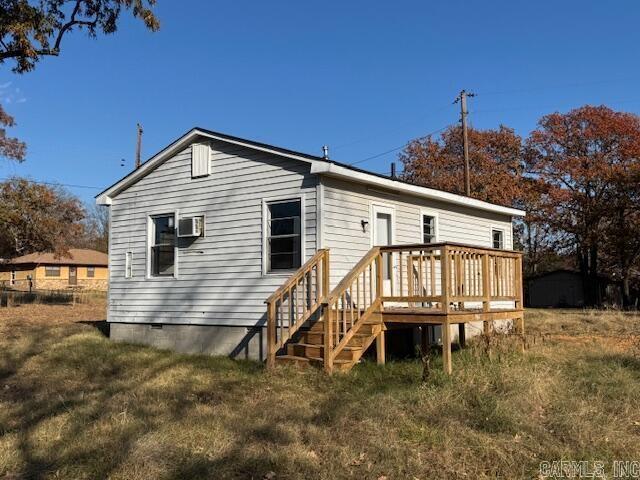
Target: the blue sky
(362, 77)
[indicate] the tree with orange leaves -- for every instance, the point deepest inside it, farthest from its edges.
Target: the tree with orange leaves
(497, 176)
(589, 160)
(494, 157)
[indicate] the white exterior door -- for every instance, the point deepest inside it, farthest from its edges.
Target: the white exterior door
(383, 234)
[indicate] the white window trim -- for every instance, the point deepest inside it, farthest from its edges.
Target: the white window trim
(502, 229)
(148, 274)
(265, 248)
(436, 223)
(374, 209)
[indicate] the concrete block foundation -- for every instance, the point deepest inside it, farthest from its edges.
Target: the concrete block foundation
(232, 341)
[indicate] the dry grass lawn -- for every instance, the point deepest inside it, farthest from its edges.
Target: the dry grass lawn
(75, 405)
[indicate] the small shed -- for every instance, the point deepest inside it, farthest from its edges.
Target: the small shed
(564, 288)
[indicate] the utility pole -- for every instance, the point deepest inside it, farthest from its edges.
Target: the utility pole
(462, 98)
(138, 145)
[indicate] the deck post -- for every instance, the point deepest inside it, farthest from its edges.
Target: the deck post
(379, 276)
(328, 339)
(446, 346)
(446, 278)
(486, 293)
(271, 334)
(380, 348)
(462, 335)
(325, 274)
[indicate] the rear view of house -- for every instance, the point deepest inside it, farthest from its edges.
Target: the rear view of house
(207, 229)
(80, 268)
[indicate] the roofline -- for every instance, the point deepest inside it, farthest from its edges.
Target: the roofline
(339, 171)
(104, 197)
(75, 264)
(319, 165)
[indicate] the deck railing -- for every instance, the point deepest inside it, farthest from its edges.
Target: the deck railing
(296, 301)
(448, 276)
(351, 303)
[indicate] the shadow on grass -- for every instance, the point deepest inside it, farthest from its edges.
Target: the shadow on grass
(101, 325)
(89, 384)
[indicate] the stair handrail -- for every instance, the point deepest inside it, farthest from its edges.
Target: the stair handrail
(312, 301)
(334, 339)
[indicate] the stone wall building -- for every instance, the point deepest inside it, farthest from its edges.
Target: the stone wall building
(81, 268)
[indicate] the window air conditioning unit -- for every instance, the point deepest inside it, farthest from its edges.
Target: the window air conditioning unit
(191, 227)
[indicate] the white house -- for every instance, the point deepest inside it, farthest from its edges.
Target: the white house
(249, 215)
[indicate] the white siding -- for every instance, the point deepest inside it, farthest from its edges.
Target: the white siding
(346, 204)
(220, 279)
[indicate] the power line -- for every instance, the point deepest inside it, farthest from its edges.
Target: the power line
(549, 106)
(397, 148)
(54, 184)
(397, 127)
(556, 86)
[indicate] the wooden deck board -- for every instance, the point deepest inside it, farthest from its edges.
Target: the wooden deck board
(438, 317)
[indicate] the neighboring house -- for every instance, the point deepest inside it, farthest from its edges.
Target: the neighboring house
(565, 288)
(81, 268)
(248, 215)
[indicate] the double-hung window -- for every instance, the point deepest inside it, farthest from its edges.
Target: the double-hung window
(428, 229)
(91, 272)
(497, 238)
(283, 235)
(51, 271)
(163, 243)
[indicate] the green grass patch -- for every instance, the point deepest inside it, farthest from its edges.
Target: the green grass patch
(75, 405)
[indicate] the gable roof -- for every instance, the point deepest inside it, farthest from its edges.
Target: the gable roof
(78, 256)
(319, 165)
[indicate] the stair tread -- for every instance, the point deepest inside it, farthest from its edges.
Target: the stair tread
(303, 330)
(348, 347)
(292, 357)
(337, 361)
(315, 359)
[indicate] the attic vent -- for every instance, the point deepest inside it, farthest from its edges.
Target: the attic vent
(200, 161)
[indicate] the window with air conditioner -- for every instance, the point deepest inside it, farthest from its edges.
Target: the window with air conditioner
(191, 227)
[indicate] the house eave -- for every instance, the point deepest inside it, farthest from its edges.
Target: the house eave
(337, 171)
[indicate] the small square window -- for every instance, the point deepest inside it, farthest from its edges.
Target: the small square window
(91, 272)
(428, 229)
(163, 245)
(52, 271)
(498, 239)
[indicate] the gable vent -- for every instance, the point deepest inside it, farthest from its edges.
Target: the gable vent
(200, 160)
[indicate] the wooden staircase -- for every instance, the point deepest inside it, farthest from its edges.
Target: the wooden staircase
(308, 346)
(442, 284)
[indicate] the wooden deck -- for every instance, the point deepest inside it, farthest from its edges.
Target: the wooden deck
(435, 284)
